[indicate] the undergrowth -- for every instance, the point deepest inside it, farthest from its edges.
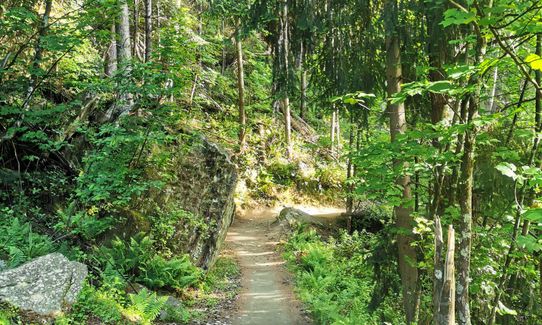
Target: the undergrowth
(336, 279)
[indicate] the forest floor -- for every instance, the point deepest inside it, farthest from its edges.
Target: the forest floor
(266, 295)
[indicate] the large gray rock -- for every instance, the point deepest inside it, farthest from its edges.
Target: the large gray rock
(202, 181)
(44, 285)
(290, 218)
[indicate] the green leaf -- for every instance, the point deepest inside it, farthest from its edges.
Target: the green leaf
(351, 101)
(457, 17)
(440, 87)
(534, 215)
(535, 61)
(508, 169)
(529, 243)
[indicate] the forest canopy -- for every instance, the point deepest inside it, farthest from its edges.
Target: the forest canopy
(422, 118)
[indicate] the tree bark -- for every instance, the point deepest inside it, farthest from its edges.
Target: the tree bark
(303, 86)
(444, 277)
(447, 301)
(465, 189)
(407, 254)
(241, 91)
(350, 172)
(285, 90)
(223, 65)
(38, 51)
(135, 29)
(124, 56)
(337, 129)
(332, 129)
(111, 66)
(438, 272)
(148, 30)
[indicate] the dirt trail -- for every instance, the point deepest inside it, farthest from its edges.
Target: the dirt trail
(266, 296)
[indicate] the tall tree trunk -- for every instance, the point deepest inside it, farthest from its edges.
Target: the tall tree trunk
(303, 86)
(136, 53)
(407, 254)
(332, 129)
(349, 170)
(241, 90)
(491, 104)
(285, 90)
(159, 26)
(148, 30)
(465, 225)
(223, 66)
(124, 55)
(38, 51)
(438, 272)
(111, 65)
(337, 128)
(465, 189)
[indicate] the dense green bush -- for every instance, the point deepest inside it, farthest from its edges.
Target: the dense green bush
(138, 261)
(336, 279)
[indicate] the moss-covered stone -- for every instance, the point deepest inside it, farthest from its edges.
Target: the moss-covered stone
(199, 179)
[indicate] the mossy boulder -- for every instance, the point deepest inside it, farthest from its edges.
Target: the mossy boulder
(195, 204)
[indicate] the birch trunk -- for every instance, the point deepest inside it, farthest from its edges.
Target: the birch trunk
(148, 30)
(124, 56)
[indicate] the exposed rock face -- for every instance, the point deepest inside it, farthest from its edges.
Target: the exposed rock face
(202, 181)
(205, 186)
(44, 285)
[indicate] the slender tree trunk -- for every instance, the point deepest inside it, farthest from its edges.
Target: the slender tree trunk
(148, 30)
(438, 273)
(337, 129)
(303, 86)
(158, 25)
(223, 67)
(465, 225)
(111, 66)
(38, 51)
(136, 53)
(288, 125)
(286, 67)
(124, 55)
(407, 254)
(465, 189)
(332, 129)
(447, 302)
(350, 172)
(241, 90)
(491, 104)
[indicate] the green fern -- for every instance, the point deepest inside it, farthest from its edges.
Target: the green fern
(145, 306)
(20, 243)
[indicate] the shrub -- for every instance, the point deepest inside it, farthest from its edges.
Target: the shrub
(139, 261)
(336, 280)
(18, 242)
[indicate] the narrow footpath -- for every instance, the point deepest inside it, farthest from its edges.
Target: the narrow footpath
(266, 296)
